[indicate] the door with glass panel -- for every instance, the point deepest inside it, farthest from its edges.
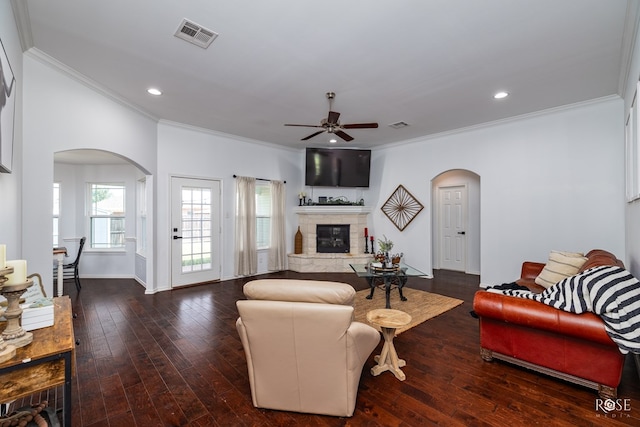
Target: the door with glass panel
(195, 231)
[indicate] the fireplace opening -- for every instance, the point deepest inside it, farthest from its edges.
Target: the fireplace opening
(332, 238)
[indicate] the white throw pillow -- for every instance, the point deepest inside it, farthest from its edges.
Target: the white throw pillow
(560, 266)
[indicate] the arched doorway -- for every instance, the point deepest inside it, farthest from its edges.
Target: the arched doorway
(75, 171)
(456, 221)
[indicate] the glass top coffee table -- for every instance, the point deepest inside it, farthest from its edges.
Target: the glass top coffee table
(396, 276)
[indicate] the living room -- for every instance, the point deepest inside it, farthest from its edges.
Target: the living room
(552, 179)
(518, 202)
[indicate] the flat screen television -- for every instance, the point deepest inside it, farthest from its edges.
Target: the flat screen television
(337, 167)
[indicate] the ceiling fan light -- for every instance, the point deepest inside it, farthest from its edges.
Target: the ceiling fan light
(330, 124)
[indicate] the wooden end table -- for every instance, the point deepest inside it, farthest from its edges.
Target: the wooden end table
(49, 361)
(388, 320)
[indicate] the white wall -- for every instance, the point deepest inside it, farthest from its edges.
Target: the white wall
(549, 181)
(61, 113)
(349, 194)
(632, 210)
(189, 152)
(10, 184)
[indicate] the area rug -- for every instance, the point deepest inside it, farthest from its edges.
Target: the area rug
(420, 305)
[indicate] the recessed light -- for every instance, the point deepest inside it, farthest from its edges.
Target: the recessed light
(501, 95)
(154, 91)
(333, 141)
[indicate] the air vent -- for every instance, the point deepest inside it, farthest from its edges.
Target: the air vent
(196, 34)
(398, 125)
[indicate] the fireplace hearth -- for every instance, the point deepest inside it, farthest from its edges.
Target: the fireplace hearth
(332, 238)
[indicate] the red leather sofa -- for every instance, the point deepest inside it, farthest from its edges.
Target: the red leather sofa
(573, 347)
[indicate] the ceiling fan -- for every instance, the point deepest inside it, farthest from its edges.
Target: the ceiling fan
(332, 125)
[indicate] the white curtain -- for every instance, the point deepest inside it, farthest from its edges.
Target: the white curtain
(246, 254)
(278, 249)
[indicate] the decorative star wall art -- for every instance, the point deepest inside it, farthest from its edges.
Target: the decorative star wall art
(401, 207)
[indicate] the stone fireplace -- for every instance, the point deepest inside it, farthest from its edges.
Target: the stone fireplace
(313, 261)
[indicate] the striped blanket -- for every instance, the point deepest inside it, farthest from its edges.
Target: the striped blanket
(608, 291)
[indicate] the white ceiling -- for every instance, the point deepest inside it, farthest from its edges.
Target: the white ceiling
(433, 64)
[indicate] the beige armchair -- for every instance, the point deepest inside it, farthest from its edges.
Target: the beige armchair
(304, 351)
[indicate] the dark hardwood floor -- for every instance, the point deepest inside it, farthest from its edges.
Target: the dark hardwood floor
(175, 359)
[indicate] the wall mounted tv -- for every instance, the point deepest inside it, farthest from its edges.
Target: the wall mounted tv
(337, 167)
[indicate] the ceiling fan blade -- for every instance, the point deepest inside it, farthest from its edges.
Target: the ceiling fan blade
(360, 126)
(312, 135)
(305, 126)
(343, 135)
(333, 117)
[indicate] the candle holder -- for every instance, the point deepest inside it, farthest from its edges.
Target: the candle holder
(7, 351)
(14, 334)
(366, 244)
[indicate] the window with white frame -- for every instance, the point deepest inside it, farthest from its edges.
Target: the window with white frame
(263, 214)
(56, 214)
(106, 215)
(141, 220)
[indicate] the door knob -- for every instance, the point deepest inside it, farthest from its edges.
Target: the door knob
(461, 232)
(177, 237)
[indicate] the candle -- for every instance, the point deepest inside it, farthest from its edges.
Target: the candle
(366, 232)
(300, 196)
(372, 238)
(19, 274)
(3, 256)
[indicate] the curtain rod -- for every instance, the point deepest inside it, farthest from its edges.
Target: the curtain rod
(261, 179)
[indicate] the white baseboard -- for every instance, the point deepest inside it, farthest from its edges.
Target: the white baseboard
(107, 276)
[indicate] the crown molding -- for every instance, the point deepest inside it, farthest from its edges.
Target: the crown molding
(629, 37)
(199, 129)
(500, 122)
(23, 23)
(45, 59)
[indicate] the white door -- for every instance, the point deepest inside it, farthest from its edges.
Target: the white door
(195, 231)
(453, 222)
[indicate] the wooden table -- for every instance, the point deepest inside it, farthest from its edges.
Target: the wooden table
(49, 361)
(388, 320)
(58, 255)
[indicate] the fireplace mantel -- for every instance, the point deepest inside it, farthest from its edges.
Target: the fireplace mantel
(309, 217)
(332, 210)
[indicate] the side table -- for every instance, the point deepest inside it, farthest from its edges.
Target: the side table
(49, 361)
(396, 276)
(388, 320)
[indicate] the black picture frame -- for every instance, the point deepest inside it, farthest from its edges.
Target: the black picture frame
(7, 111)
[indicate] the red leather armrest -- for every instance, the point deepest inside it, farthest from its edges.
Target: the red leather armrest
(533, 314)
(531, 270)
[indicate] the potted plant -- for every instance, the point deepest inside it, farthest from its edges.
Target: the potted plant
(385, 245)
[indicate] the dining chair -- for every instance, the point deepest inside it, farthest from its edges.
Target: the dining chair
(70, 271)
